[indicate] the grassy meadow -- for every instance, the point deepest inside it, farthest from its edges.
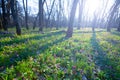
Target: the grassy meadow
(50, 56)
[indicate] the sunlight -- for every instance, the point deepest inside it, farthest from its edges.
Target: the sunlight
(59, 39)
(92, 5)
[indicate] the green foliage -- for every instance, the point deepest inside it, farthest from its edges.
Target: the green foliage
(50, 56)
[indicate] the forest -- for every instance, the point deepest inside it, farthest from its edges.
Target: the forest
(59, 39)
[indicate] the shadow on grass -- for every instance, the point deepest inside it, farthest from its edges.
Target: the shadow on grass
(25, 53)
(102, 60)
(89, 31)
(115, 33)
(17, 41)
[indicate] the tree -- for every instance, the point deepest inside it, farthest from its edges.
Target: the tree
(94, 22)
(35, 21)
(80, 13)
(72, 15)
(13, 5)
(118, 29)
(49, 13)
(41, 3)
(113, 10)
(26, 13)
(59, 15)
(4, 21)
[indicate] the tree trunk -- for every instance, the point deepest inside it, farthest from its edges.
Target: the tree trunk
(41, 15)
(70, 23)
(34, 23)
(118, 29)
(94, 22)
(81, 4)
(13, 4)
(26, 13)
(49, 13)
(4, 16)
(93, 29)
(58, 20)
(59, 15)
(114, 8)
(108, 28)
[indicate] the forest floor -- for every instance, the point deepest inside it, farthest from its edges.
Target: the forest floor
(86, 56)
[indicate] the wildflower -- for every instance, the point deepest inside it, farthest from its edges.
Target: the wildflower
(58, 65)
(55, 56)
(31, 58)
(73, 67)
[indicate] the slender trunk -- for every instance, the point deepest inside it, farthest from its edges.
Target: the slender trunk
(0, 21)
(48, 22)
(4, 16)
(81, 4)
(59, 15)
(93, 29)
(40, 15)
(26, 13)
(70, 23)
(118, 29)
(114, 8)
(34, 23)
(13, 4)
(94, 22)
(58, 20)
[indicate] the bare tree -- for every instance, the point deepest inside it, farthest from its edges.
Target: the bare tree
(113, 10)
(81, 4)
(13, 5)
(49, 13)
(41, 3)
(26, 13)
(35, 21)
(94, 22)
(118, 29)
(72, 15)
(4, 21)
(59, 15)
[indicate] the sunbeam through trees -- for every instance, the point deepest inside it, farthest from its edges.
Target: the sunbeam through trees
(59, 39)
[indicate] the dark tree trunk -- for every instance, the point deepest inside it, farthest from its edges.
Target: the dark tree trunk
(4, 21)
(70, 23)
(93, 29)
(94, 22)
(108, 28)
(59, 16)
(35, 21)
(13, 4)
(49, 13)
(81, 4)
(58, 20)
(26, 13)
(118, 29)
(41, 15)
(26, 20)
(114, 8)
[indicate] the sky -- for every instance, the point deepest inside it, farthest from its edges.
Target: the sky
(91, 6)
(33, 6)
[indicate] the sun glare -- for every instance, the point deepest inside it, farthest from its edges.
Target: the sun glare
(90, 7)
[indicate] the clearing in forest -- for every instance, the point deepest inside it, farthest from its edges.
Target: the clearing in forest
(87, 55)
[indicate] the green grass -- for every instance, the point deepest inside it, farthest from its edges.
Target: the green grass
(51, 56)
